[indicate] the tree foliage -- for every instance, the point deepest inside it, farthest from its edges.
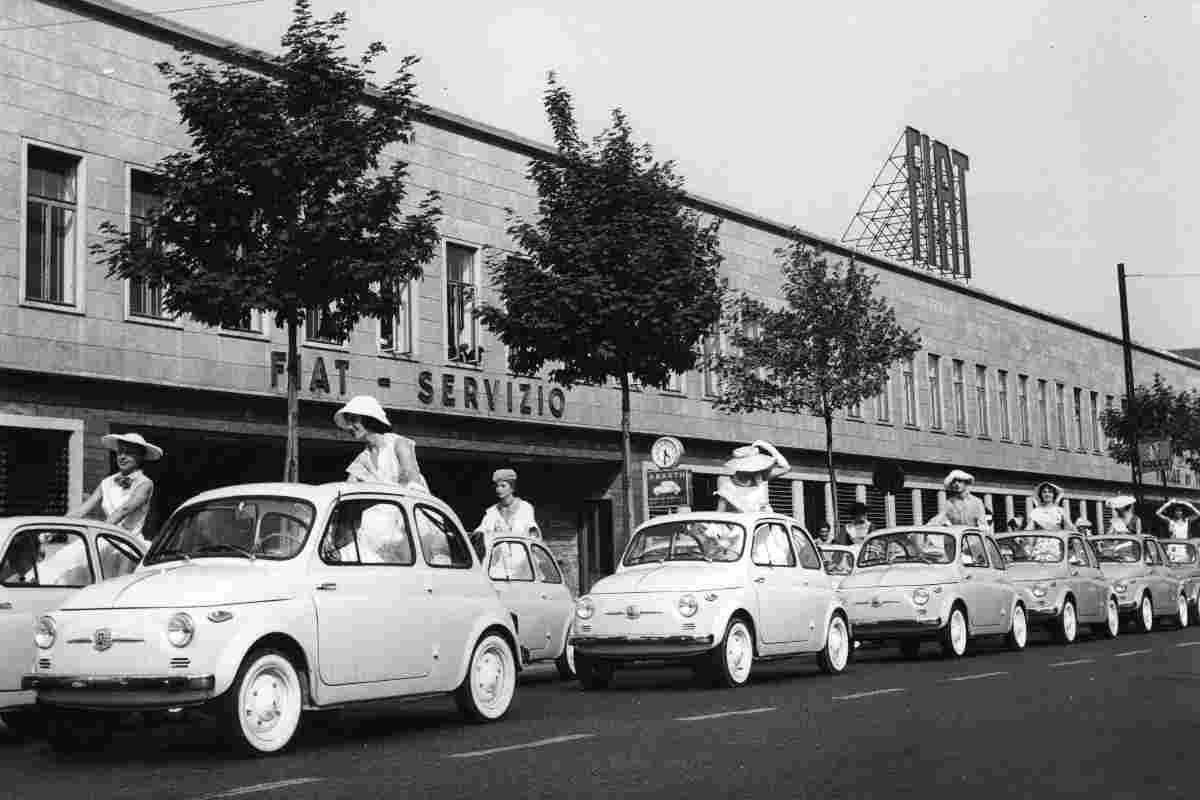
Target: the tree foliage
(1157, 411)
(618, 276)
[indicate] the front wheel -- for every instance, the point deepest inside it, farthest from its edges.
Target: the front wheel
(730, 662)
(1112, 620)
(486, 692)
(1068, 623)
(1143, 620)
(955, 636)
(565, 663)
(264, 705)
(1018, 632)
(836, 653)
(1181, 612)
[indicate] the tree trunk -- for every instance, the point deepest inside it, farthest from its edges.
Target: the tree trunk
(827, 416)
(626, 458)
(291, 459)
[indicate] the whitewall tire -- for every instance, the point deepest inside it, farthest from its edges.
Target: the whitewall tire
(487, 691)
(1018, 632)
(1181, 612)
(1143, 618)
(1068, 623)
(733, 659)
(835, 655)
(956, 635)
(265, 703)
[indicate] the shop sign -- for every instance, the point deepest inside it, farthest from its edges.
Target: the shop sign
(318, 378)
(670, 487)
(451, 390)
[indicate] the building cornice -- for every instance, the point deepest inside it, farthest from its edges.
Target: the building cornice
(198, 41)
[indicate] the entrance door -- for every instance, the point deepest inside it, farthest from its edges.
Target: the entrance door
(374, 612)
(596, 556)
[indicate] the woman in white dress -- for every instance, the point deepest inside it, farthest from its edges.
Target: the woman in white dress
(508, 516)
(1124, 519)
(1178, 514)
(386, 457)
(753, 466)
(124, 497)
(1048, 513)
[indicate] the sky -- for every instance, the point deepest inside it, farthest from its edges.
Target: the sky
(1081, 120)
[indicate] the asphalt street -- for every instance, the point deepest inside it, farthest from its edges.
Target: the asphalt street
(1103, 719)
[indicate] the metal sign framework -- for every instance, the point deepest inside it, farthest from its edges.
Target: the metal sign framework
(916, 209)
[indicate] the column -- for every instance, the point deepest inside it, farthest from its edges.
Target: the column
(829, 505)
(918, 512)
(798, 501)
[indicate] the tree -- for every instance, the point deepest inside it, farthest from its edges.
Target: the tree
(281, 205)
(619, 279)
(828, 348)
(1157, 411)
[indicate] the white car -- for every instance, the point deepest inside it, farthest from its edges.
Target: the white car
(43, 560)
(927, 583)
(530, 582)
(714, 590)
(259, 602)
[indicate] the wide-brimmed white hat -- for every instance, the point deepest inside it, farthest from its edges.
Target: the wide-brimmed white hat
(1120, 501)
(749, 459)
(361, 406)
(958, 475)
(1189, 510)
(152, 451)
(1054, 487)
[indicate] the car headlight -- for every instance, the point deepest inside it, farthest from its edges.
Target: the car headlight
(180, 630)
(44, 633)
(1121, 586)
(585, 608)
(920, 596)
(1038, 591)
(688, 605)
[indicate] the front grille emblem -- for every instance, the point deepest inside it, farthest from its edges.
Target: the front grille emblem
(103, 639)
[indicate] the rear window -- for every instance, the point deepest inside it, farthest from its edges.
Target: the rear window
(1031, 549)
(1118, 551)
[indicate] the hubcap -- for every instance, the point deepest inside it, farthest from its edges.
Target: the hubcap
(269, 702)
(739, 652)
(958, 632)
(837, 643)
(1183, 612)
(1018, 624)
(1069, 622)
(489, 676)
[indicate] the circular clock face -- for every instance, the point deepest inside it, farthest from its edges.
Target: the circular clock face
(666, 452)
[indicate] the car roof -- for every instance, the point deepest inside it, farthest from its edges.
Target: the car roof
(1052, 534)
(948, 529)
(317, 494)
(9, 523)
(743, 518)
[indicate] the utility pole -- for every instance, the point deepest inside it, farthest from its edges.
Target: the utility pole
(1136, 457)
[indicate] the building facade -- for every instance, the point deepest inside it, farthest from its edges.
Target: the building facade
(1010, 393)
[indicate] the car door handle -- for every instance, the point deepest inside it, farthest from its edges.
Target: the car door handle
(6, 606)
(545, 597)
(760, 580)
(968, 576)
(428, 590)
(326, 587)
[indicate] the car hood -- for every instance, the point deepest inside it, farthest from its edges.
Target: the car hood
(687, 576)
(1035, 572)
(187, 584)
(899, 575)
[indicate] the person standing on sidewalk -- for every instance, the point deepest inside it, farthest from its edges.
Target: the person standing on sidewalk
(509, 516)
(124, 497)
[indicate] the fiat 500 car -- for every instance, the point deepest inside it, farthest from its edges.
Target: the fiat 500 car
(1146, 588)
(530, 582)
(1062, 583)
(716, 591)
(1183, 557)
(43, 561)
(924, 583)
(258, 603)
(839, 560)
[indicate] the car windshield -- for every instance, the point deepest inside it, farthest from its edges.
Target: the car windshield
(920, 547)
(693, 540)
(239, 527)
(1180, 552)
(838, 562)
(1031, 549)
(1118, 551)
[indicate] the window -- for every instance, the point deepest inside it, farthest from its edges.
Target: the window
(1077, 410)
(510, 562)
(1077, 553)
(981, 400)
(854, 411)
(52, 233)
(935, 392)
(398, 334)
(674, 383)
(910, 391)
(1060, 413)
(1109, 404)
(994, 552)
(712, 346)
(318, 330)
(809, 557)
(441, 542)
(974, 554)
(116, 558)
(960, 397)
(46, 558)
(544, 566)
(771, 547)
(1023, 406)
(883, 402)
(1043, 414)
(251, 322)
(1153, 554)
(145, 300)
(462, 329)
(1094, 408)
(1002, 403)
(366, 532)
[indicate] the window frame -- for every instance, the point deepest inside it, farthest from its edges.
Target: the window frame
(307, 340)
(471, 556)
(1077, 413)
(1023, 408)
(1071, 541)
(1060, 415)
(509, 579)
(958, 380)
(162, 319)
(962, 550)
(1002, 403)
(993, 550)
(121, 546)
(883, 401)
(769, 525)
(553, 562)
(358, 562)
(410, 299)
(468, 307)
(710, 378)
(1043, 400)
(911, 394)
(937, 416)
(37, 531)
(798, 531)
(982, 409)
(1096, 431)
(77, 303)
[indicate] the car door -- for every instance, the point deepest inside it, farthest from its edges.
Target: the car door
(511, 571)
(374, 611)
(40, 568)
(979, 585)
(1006, 590)
(558, 603)
(777, 586)
(817, 585)
(115, 555)
(1082, 581)
(1162, 585)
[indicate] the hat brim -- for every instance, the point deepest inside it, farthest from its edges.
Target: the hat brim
(755, 463)
(1037, 490)
(1189, 510)
(151, 452)
(1118, 503)
(958, 475)
(339, 419)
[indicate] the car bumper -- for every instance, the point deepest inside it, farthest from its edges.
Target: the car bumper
(642, 648)
(1042, 616)
(121, 692)
(897, 629)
